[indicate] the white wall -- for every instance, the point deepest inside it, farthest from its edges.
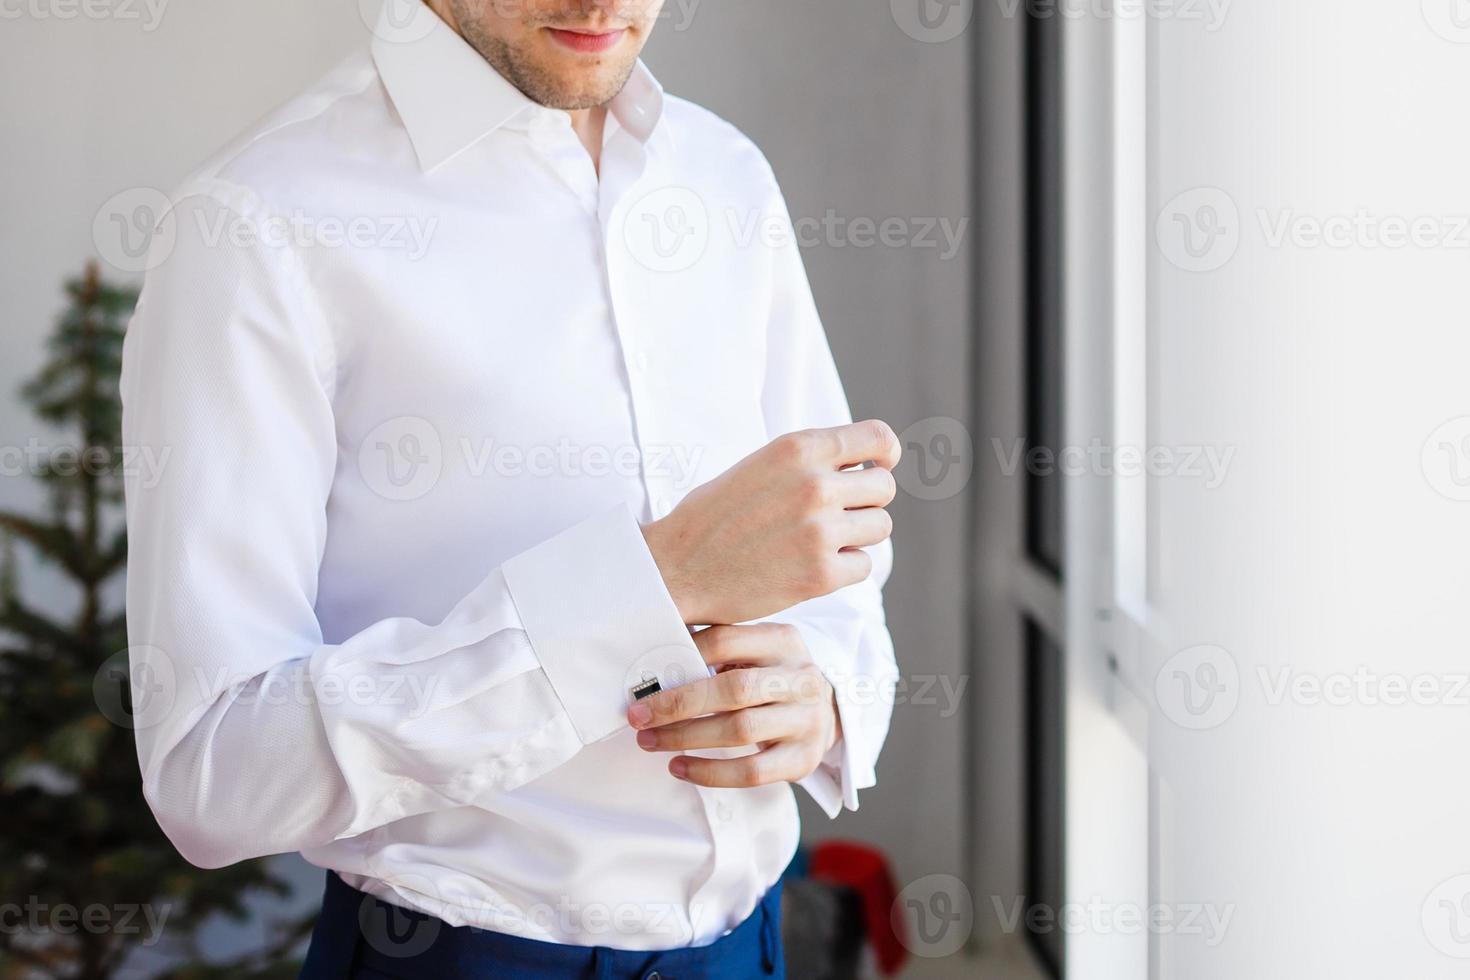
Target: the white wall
(856, 115)
(1334, 547)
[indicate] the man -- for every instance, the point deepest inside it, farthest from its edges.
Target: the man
(392, 605)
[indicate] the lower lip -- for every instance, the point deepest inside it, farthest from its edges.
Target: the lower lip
(587, 43)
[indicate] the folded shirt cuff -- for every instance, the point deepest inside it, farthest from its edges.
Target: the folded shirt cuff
(843, 771)
(601, 621)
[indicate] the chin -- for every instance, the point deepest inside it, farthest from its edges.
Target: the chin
(586, 91)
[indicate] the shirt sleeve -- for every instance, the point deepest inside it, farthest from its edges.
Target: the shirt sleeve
(845, 631)
(254, 736)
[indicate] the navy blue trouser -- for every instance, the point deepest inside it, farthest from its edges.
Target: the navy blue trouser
(359, 937)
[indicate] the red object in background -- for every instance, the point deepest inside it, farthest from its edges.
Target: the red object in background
(865, 870)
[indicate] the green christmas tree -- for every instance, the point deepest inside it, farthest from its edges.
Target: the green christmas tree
(80, 852)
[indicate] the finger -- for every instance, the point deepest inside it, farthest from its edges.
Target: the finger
(870, 487)
(868, 526)
(852, 565)
(729, 691)
(861, 442)
(782, 762)
(758, 645)
(733, 729)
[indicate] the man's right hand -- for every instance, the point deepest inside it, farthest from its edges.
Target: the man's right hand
(784, 525)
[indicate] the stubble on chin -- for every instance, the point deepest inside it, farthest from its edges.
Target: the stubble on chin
(542, 86)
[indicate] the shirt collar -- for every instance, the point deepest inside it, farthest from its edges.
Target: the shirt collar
(449, 97)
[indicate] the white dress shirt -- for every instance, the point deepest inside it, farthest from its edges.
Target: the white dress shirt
(414, 372)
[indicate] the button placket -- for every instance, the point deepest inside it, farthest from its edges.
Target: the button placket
(621, 307)
(551, 132)
(731, 846)
(629, 293)
(630, 288)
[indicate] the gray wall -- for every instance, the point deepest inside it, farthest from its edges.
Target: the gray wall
(855, 114)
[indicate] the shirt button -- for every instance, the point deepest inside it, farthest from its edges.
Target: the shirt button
(662, 506)
(640, 362)
(723, 811)
(653, 976)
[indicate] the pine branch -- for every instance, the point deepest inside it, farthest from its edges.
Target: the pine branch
(55, 542)
(16, 616)
(113, 558)
(74, 826)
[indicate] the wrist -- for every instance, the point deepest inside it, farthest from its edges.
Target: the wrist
(661, 545)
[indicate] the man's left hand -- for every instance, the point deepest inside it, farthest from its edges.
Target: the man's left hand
(767, 693)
